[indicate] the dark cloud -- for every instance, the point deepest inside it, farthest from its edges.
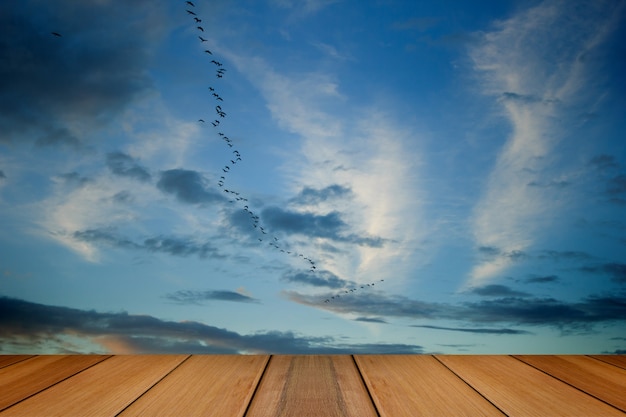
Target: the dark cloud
(509, 310)
(549, 184)
(496, 290)
(317, 279)
(370, 320)
(312, 196)
(526, 98)
(474, 330)
(617, 271)
(172, 245)
(87, 76)
(329, 226)
(126, 166)
(603, 162)
(493, 252)
(74, 178)
(542, 279)
(35, 327)
(196, 297)
(188, 186)
(123, 197)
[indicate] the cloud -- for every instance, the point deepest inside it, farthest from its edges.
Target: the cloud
(604, 162)
(542, 279)
(316, 279)
(521, 311)
(188, 187)
(196, 297)
(31, 327)
(474, 330)
(370, 320)
(126, 166)
(617, 271)
(314, 196)
(496, 290)
(2, 175)
(171, 245)
(56, 90)
(535, 84)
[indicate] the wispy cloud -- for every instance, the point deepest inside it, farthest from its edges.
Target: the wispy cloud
(473, 330)
(534, 85)
(126, 166)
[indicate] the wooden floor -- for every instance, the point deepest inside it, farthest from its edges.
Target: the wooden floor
(316, 385)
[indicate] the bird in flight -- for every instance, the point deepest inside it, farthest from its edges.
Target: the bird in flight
(197, 20)
(191, 13)
(58, 35)
(207, 51)
(191, 4)
(200, 28)
(202, 39)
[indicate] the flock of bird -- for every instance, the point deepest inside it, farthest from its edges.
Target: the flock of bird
(220, 114)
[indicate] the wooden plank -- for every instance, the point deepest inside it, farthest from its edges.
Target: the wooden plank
(519, 389)
(31, 376)
(6, 360)
(103, 390)
(215, 385)
(311, 385)
(600, 379)
(411, 385)
(617, 360)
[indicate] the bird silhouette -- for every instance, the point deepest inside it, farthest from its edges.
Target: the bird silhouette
(191, 4)
(191, 13)
(202, 39)
(57, 34)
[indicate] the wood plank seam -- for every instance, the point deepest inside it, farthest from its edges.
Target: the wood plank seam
(367, 389)
(56, 383)
(16, 362)
(471, 386)
(153, 385)
(567, 383)
(600, 360)
(256, 388)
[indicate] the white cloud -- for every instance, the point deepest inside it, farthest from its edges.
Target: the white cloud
(532, 64)
(364, 150)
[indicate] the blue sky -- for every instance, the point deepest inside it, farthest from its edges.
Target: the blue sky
(383, 177)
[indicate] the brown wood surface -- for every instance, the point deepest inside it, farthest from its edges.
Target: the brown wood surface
(6, 360)
(519, 389)
(311, 386)
(215, 385)
(617, 360)
(28, 377)
(103, 390)
(600, 379)
(410, 386)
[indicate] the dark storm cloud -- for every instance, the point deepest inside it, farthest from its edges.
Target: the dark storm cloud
(86, 76)
(496, 290)
(617, 271)
(330, 226)
(473, 330)
(172, 245)
(196, 297)
(126, 166)
(188, 187)
(314, 196)
(31, 325)
(317, 279)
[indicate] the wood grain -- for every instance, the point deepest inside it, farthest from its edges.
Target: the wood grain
(519, 389)
(311, 386)
(216, 385)
(6, 360)
(600, 379)
(617, 360)
(35, 374)
(102, 390)
(419, 386)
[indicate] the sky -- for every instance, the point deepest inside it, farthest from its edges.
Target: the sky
(312, 176)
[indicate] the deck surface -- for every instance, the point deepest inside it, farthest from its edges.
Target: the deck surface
(312, 385)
